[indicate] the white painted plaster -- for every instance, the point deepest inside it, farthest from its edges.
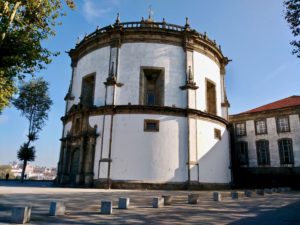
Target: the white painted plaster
(213, 154)
(95, 62)
(149, 156)
(135, 55)
(204, 67)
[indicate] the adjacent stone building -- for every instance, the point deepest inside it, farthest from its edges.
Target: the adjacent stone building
(147, 107)
(266, 144)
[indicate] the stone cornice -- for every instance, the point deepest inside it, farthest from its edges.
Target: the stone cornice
(265, 114)
(141, 109)
(130, 32)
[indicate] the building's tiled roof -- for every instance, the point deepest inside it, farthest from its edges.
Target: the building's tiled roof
(283, 103)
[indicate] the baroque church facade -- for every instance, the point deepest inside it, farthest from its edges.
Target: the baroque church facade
(146, 107)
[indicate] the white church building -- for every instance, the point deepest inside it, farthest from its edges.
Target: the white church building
(146, 107)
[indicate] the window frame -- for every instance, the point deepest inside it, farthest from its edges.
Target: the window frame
(83, 79)
(159, 93)
(245, 129)
(208, 109)
(278, 127)
(255, 126)
(259, 153)
(238, 145)
(290, 151)
(217, 134)
(146, 129)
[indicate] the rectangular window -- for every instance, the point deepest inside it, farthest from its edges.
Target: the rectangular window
(87, 90)
(150, 98)
(152, 86)
(240, 129)
(211, 99)
(286, 151)
(151, 125)
(263, 155)
(260, 127)
(283, 124)
(217, 133)
(242, 148)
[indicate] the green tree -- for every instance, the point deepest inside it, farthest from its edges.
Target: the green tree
(292, 16)
(4, 169)
(34, 103)
(24, 24)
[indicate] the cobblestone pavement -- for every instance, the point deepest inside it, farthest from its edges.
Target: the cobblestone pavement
(83, 207)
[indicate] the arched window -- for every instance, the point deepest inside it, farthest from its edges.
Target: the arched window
(263, 154)
(286, 155)
(242, 150)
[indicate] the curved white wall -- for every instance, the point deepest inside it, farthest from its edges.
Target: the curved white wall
(94, 62)
(135, 55)
(149, 156)
(213, 154)
(206, 68)
(155, 156)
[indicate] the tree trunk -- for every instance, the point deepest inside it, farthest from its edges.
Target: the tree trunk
(23, 170)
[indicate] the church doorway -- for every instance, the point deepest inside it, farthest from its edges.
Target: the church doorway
(74, 165)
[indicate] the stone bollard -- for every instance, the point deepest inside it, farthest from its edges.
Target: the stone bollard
(217, 196)
(157, 202)
(106, 207)
(57, 209)
(167, 199)
(268, 191)
(275, 190)
(124, 203)
(280, 189)
(248, 193)
(193, 198)
(21, 214)
(288, 189)
(234, 195)
(260, 192)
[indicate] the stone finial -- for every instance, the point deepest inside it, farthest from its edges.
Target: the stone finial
(97, 28)
(187, 22)
(220, 47)
(150, 16)
(164, 20)
(143, 19)
(118, 19)
(78, 40)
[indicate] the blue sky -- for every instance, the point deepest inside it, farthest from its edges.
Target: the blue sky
(253, 33)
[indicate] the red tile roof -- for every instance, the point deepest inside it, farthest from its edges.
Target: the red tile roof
(283, 103)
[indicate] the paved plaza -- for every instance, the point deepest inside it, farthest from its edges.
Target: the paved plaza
(83, 206)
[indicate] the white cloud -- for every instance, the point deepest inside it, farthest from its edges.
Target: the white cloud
(94, 9)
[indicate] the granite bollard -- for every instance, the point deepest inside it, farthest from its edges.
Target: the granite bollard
(106, 207)
(157, 202)
(193, 198)
(260, 192)
(268, 191)
(167, 199)
(21, 215)
(124, 203)
(248, 193)
(57, 209)
(217, 196)
(234, 195)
